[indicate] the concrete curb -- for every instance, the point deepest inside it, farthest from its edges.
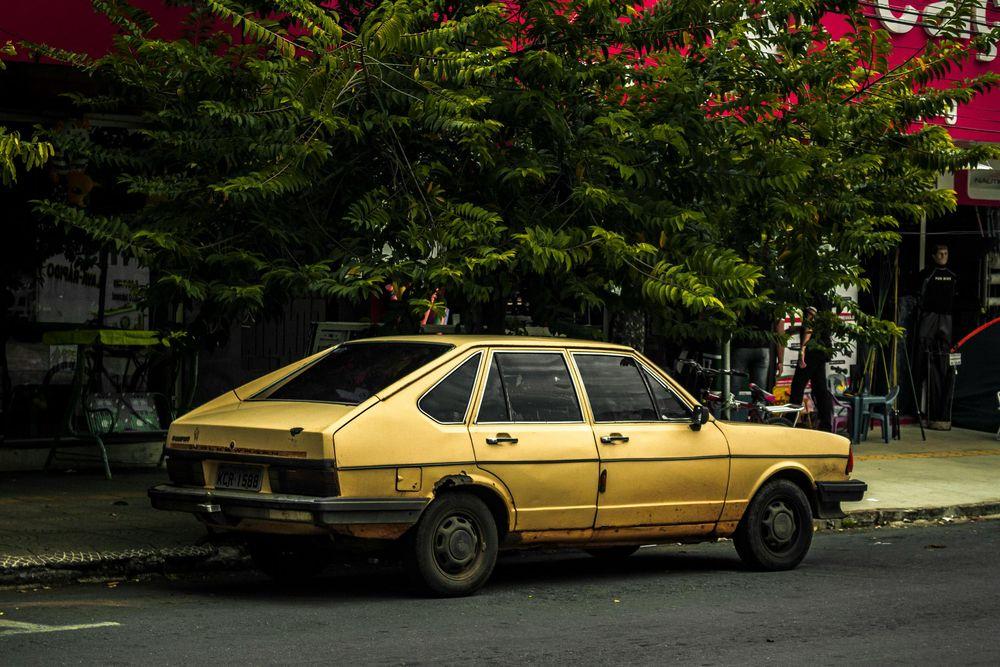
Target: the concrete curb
(73, 566)
(872, 518)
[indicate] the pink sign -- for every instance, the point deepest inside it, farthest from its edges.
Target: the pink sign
(910, 26)
(76, 26)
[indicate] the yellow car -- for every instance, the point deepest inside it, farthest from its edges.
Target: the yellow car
(458, 446)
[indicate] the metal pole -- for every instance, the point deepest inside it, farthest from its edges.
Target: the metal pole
(923, 242)
(102, 300)
(726, 380)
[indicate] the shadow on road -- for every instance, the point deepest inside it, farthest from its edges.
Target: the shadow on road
(528, 568)
(355, 581)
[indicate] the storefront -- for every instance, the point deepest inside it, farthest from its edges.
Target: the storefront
(972, 232)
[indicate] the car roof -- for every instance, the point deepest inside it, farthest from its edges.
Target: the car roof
(462, 341)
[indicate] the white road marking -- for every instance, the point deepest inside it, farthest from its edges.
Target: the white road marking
(18, 628)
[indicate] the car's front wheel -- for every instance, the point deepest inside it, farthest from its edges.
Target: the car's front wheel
(776, 529)
(454, 546)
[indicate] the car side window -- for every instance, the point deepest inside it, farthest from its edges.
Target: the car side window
(616, 389)
(493, 407)
(529, 387)
(448, 401)
(667, 404)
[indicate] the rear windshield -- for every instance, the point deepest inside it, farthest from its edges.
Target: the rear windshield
(353, 372)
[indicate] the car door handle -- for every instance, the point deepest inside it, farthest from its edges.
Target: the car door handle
(501, 438)
(614, 437)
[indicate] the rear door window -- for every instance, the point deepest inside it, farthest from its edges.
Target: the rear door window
(529, 387)
(448, 400)
(493, 407)
(353, 372)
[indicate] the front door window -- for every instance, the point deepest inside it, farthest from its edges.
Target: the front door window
(616, 388)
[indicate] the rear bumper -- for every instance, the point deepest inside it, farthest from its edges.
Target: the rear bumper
(222, 505)
(829, 495)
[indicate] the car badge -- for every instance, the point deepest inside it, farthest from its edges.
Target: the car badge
(232, 445)
(197, 433)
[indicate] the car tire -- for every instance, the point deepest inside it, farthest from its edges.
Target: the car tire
(776, 529)
(453, 549)
(613, 553)
(288, 561)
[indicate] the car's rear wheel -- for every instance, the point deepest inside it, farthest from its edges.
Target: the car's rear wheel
(613, 553)
(288, 560)
(454, 546)
(776, 530)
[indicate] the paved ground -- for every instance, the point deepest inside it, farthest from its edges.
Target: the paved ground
(47, 513)
(924, 595)
(60, 518)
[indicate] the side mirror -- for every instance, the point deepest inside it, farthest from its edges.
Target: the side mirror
(699, 416)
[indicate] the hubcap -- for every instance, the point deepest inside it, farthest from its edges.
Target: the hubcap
(779, 525)
(457, 542)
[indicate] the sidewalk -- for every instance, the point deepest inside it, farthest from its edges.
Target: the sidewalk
(952, 468)
(64, 526)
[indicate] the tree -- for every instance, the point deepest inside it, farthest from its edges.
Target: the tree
(695, 159)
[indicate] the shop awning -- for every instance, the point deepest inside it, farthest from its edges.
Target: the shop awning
(110, 337)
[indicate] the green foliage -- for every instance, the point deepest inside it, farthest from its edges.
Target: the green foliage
(696, 160)
(14, 150)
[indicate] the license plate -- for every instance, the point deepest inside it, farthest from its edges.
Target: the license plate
(241, 478)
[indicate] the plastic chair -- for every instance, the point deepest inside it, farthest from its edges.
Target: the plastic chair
(837, 383)
(883, 405)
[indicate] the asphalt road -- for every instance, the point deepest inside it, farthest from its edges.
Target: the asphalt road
(927, 595)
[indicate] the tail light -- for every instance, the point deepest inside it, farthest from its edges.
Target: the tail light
(303, 481)
(185, 472)
(850, 460)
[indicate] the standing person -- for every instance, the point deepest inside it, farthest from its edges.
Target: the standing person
(752, 350)
(937, 285)
(811, 368)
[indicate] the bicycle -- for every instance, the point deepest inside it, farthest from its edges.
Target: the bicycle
(762, 408)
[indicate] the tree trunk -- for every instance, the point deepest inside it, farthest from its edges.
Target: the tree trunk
(495, 316)
(628, 327)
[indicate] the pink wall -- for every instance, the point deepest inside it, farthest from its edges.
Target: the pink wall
(904, 19)
(73, 24)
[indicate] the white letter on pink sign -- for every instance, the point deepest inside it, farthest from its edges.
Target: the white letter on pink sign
(983, 26)
(934, 25)
(900, 25)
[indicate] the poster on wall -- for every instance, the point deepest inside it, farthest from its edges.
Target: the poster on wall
(841, 362)
(69, 294)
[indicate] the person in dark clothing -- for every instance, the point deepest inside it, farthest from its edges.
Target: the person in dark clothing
(936, 285)
(811, 369)
(752, 350)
